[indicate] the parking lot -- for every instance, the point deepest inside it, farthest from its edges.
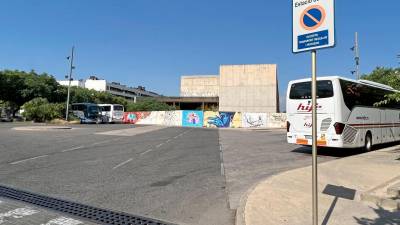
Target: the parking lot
(174, 174)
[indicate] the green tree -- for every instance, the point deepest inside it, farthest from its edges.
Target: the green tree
(148, 105)
(40, 110)
(388, 76)
(18, 87)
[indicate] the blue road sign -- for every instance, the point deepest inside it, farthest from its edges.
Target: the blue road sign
(313, 25)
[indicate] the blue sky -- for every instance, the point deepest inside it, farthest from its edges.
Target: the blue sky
(153, 42)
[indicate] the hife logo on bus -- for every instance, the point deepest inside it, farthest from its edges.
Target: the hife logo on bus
(306, 108)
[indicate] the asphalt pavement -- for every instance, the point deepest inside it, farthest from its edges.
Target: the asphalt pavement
(175, 174)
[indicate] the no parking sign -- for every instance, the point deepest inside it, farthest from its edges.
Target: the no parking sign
(313, 24)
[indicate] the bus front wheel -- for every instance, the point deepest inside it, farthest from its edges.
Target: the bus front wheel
(368, 142)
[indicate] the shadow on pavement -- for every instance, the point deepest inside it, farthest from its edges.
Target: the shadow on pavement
(332, 152)
(385, 217)
(341, 152)
(337, 192)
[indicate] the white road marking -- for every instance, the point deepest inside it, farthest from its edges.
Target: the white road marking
(159, 145)
(100, 142)
(21, 161)
(17, 213)
(132, 131)
(176, 137)
(168, 140)
(63, 221)
(147, 151)
(106, 141)
(121, 164)
(73, 149)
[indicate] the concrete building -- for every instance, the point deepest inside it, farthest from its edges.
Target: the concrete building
(200, 86)
(76, 83)
(239, 88)
(113, 88)
(249, 88)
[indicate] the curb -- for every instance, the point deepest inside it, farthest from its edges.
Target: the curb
(241, 210)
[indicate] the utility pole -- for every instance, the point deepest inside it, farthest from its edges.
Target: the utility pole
(398, 57)
(356, 56)
(71, 58)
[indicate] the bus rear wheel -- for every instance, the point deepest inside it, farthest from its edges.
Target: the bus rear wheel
(368, 142)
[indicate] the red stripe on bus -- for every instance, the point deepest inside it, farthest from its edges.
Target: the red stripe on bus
(375, 124)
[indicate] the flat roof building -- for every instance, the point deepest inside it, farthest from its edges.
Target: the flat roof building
(113, 88)
(239, 88)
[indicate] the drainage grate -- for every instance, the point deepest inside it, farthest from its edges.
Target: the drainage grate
(97, 215)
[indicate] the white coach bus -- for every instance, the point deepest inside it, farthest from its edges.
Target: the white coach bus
(346, 115)
(113, 113)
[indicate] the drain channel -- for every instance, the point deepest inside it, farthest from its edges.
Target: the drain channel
(97, 215)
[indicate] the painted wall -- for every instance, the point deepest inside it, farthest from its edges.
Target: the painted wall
(172, 118)
(276, 120)
(131, 117)
(194, 118)
(254, 120)
(222, 119)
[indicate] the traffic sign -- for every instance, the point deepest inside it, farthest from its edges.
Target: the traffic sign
(313, 25)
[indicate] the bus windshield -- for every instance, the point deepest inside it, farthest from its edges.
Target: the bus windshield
(106, 108)
(303, 90)
(118, 108)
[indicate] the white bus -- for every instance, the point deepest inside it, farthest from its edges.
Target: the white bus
(113, 113)
(87, 112)
(346, 115)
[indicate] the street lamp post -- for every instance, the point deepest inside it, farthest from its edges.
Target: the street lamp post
(71, 58)
(355, 48)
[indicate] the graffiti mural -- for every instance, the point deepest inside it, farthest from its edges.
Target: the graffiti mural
(207, 115)
(130, 117)
(154, 117)
(254, 120)
(196, 118)
(192, 118)
(221, 119)
(173, 118)
(277, 120)
(237, 120)
(139, 117)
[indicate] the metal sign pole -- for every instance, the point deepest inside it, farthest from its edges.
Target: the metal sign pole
(314, 137)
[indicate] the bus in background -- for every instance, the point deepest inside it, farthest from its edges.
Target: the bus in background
(87, 112)
(113, 113)
(346, 113)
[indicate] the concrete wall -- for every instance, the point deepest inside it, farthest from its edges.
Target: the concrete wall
(248, 88)
(199, 86)
(193, 118)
